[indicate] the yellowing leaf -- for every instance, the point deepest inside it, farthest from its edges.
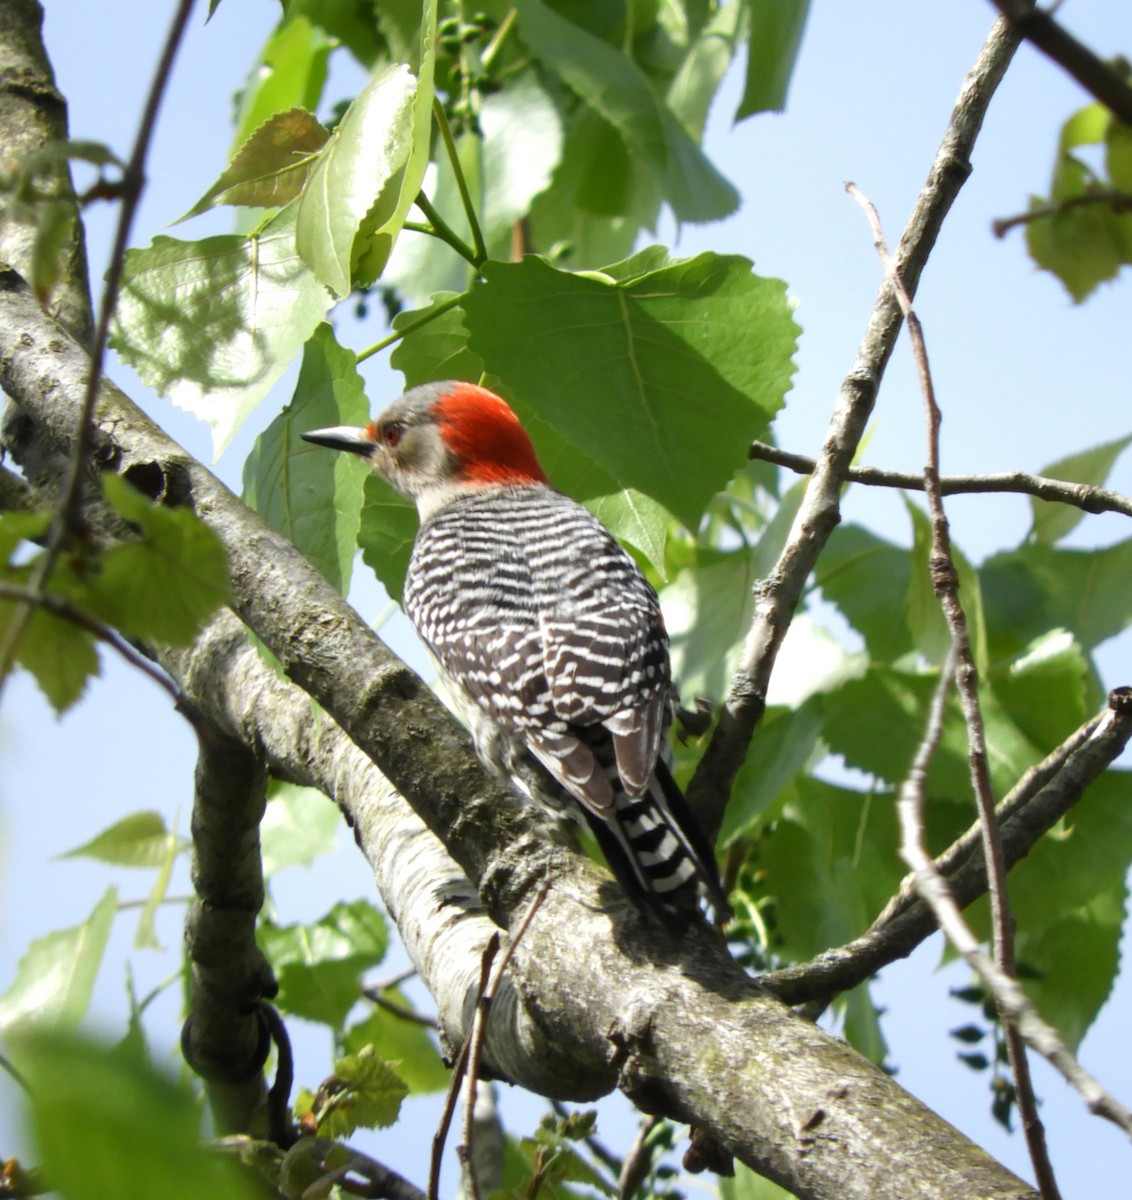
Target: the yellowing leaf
(271, 167)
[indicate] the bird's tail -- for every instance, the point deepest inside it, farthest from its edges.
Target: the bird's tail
(656, 848)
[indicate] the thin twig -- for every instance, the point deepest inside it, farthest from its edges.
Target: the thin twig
(409, 326)
(1119, 202)
(65, 610)
(1095, 75)
(778, 596)
(638, 1161)
(461, 182)
(476, 1039)
(961, 663)
(1080, 495)
(381, 1182)
(373, 994)
(440, 228)
(459, 1068)
(67, 517)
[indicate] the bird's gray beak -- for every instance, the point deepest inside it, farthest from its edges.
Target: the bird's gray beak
(355, 439)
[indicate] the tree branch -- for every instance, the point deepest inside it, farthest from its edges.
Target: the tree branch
(1096, 76)
(225, 1039)
(778, 596)
(960, 667)
(1080, 495)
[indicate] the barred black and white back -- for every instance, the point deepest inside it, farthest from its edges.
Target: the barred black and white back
(538, 617)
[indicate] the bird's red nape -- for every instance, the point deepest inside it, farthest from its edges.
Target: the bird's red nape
(486, 438)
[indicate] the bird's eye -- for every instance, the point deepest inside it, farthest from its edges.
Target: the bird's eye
(391, 432)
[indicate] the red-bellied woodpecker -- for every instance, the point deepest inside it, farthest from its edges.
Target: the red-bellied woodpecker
(549, 636)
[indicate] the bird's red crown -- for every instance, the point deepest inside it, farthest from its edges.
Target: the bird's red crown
(485, 437)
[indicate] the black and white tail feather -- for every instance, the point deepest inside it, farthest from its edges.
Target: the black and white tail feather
(653, 843)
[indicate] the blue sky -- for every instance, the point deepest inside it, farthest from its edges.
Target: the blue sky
(1023, 376)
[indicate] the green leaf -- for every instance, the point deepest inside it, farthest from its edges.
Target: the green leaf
(422, 266)
(299, 825)
(623, 366)
(707, 611)
(139, 840)
(868, 579)
(358, 168)
(388, 527)
(1038, 588)
(271, 167)
(406, 1046)
(708, 607)
(522, 144)
(350, 22)
(58, 654)
(831, 863)
(161, 585)
(290, 74)
(145, 937)
(1068, 897)
(382, 225)
(213, 324)
(369, 174)
(55, 978)
(787, 742)
(600, 75)
(307, 494)
(746, 1185)
(772, 49)
(1118, 155)
(876, 723)
(613, 86)
(367, 1094)
(1049, 689)
(1053, 521)
(107, 1124)
(436, 346)
(319, 966)
(1084, 245)
(705, 63)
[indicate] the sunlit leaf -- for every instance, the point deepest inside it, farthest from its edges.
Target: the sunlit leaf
(650, 373)
(406, 1045)
(161, 584)
(213, 324)
(290, 74)
(299, 825)
(139, 840)
(271, 167)
(367, 1095)
(55, 977)
(774, 41)
(319, 966)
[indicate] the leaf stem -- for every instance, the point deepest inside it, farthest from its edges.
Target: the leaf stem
(439, 227)
(461, 182)
(501, 34)
(411, 327)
